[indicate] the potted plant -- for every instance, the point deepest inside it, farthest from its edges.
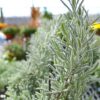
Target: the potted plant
(27, 32)
(10, 32)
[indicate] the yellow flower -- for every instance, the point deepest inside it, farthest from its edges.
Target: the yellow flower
(95, 26)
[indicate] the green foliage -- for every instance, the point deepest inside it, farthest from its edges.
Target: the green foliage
(47, 14)
(15, 51)
(57, 68)
(11, 30)
(6, 70)
(3, 69)
(27, 31)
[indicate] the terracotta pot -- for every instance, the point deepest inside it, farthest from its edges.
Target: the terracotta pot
(9, 36)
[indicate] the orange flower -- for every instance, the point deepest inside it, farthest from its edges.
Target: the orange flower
(3, 25)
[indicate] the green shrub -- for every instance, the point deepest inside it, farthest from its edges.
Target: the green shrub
(47, 14)
(11, 30)
(3, 80)
(27, 31)
(6, 69)
(15, 51)
(57, 68)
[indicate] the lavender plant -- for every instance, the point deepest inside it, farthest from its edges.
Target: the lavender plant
(57, 67)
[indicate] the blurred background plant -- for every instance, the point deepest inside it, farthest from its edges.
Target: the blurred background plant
(47, 14)
(15, 51)
(10, 32)
(27, 31)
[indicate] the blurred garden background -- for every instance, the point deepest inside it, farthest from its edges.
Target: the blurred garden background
(48, 48)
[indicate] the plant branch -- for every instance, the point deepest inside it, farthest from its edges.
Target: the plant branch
(65, 5)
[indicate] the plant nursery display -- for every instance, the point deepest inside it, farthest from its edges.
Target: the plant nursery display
(10, 32)
(62, 61)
